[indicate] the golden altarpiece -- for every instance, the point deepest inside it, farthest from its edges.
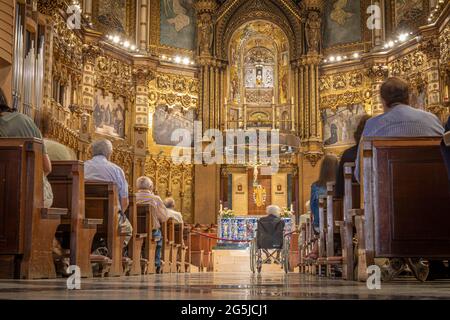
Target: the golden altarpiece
(135, 71)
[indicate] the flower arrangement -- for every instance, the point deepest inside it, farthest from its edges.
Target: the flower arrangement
(227, 213)
(286, 213)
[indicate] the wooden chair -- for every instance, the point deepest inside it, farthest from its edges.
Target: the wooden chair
(28, 229)
(406, 201)
(102, 203)
(145, 226)
(140, 234)
(67, 180)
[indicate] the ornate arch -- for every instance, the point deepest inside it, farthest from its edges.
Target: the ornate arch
(285, 14)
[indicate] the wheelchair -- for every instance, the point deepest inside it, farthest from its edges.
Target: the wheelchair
(269, 236)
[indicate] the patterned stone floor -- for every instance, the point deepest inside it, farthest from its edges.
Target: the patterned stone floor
(222, 286)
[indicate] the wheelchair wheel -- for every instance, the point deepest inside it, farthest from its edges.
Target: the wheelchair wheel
(285, 254)
(258, 260)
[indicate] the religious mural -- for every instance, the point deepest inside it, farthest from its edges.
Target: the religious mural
(109, 115)
(406, 12)
(165, 122)
(342, 22)
(112, 15)
(177, 24)
(340, 124)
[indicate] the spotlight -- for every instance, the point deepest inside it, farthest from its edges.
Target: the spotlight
(403, 37)
(356, 55)
(338, 58)
(177, 59)
(332, 58)
(116, 39)
(133, 47)
(126, 44)
(186, 61)
(391, 44)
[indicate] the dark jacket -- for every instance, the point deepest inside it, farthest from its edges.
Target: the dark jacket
(270, 232)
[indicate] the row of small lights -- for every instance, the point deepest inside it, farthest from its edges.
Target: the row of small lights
(400, 39)
(177, 59)
(125, 44)
(434, 13)
(333, 59)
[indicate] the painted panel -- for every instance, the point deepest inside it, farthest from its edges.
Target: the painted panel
(340, 124)
(109, 115)
(342, 22)
(177, 23)
(112, 15)
(166, 122)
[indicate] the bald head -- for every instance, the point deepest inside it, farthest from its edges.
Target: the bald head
(394, 91)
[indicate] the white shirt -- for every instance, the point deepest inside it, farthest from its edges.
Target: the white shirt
(100, 169)
(175, 215)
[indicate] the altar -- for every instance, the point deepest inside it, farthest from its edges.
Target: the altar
(232, 230)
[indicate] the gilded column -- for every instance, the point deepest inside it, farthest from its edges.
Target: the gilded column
(378, 73)
(142, 15)
(308, 86)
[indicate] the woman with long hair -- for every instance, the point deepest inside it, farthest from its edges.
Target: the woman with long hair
(319, 188)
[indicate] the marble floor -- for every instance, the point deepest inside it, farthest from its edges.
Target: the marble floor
(221, 286)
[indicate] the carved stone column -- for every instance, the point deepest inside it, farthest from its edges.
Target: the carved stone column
(90, 54)
(142, 76)
(142, 16)
(378, 73)
(308, 84)
(431, 47)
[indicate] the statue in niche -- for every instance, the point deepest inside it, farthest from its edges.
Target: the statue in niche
(313, 31)
(205, 34)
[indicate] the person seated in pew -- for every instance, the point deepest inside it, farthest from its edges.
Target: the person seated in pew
(319, 188)
(55, 150)
(399, 118)
(169, 203)
(17, 125)
(349, 155)
(145, 195)
(101, 169)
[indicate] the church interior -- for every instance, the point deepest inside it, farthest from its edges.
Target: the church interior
(179, 88)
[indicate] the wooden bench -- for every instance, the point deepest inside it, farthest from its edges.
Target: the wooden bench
(67, 180)
(405, 201)
(187, 242)
(145, 226)
(167, 247)
(102, 203)
(197, 251)
(140, 234)
(181, 254)
(26, 238)
(174, 246)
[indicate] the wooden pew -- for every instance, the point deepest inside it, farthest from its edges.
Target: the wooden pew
(197, 251)
(334, 228)
(322, 259)
(406, 200)
(67, 180)
(29, 229)
(140, 234)
(182, 248)
(102, 203)
(145, 226)
(174, 246)
(166, 266)
(302, 248)
(294, 252)
(187, 242)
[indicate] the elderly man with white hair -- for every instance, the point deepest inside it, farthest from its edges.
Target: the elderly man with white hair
(159, 212)
(101, 169)
(173, 214)
(273, 215)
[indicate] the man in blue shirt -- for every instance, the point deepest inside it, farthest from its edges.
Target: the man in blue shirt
(399, 119)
